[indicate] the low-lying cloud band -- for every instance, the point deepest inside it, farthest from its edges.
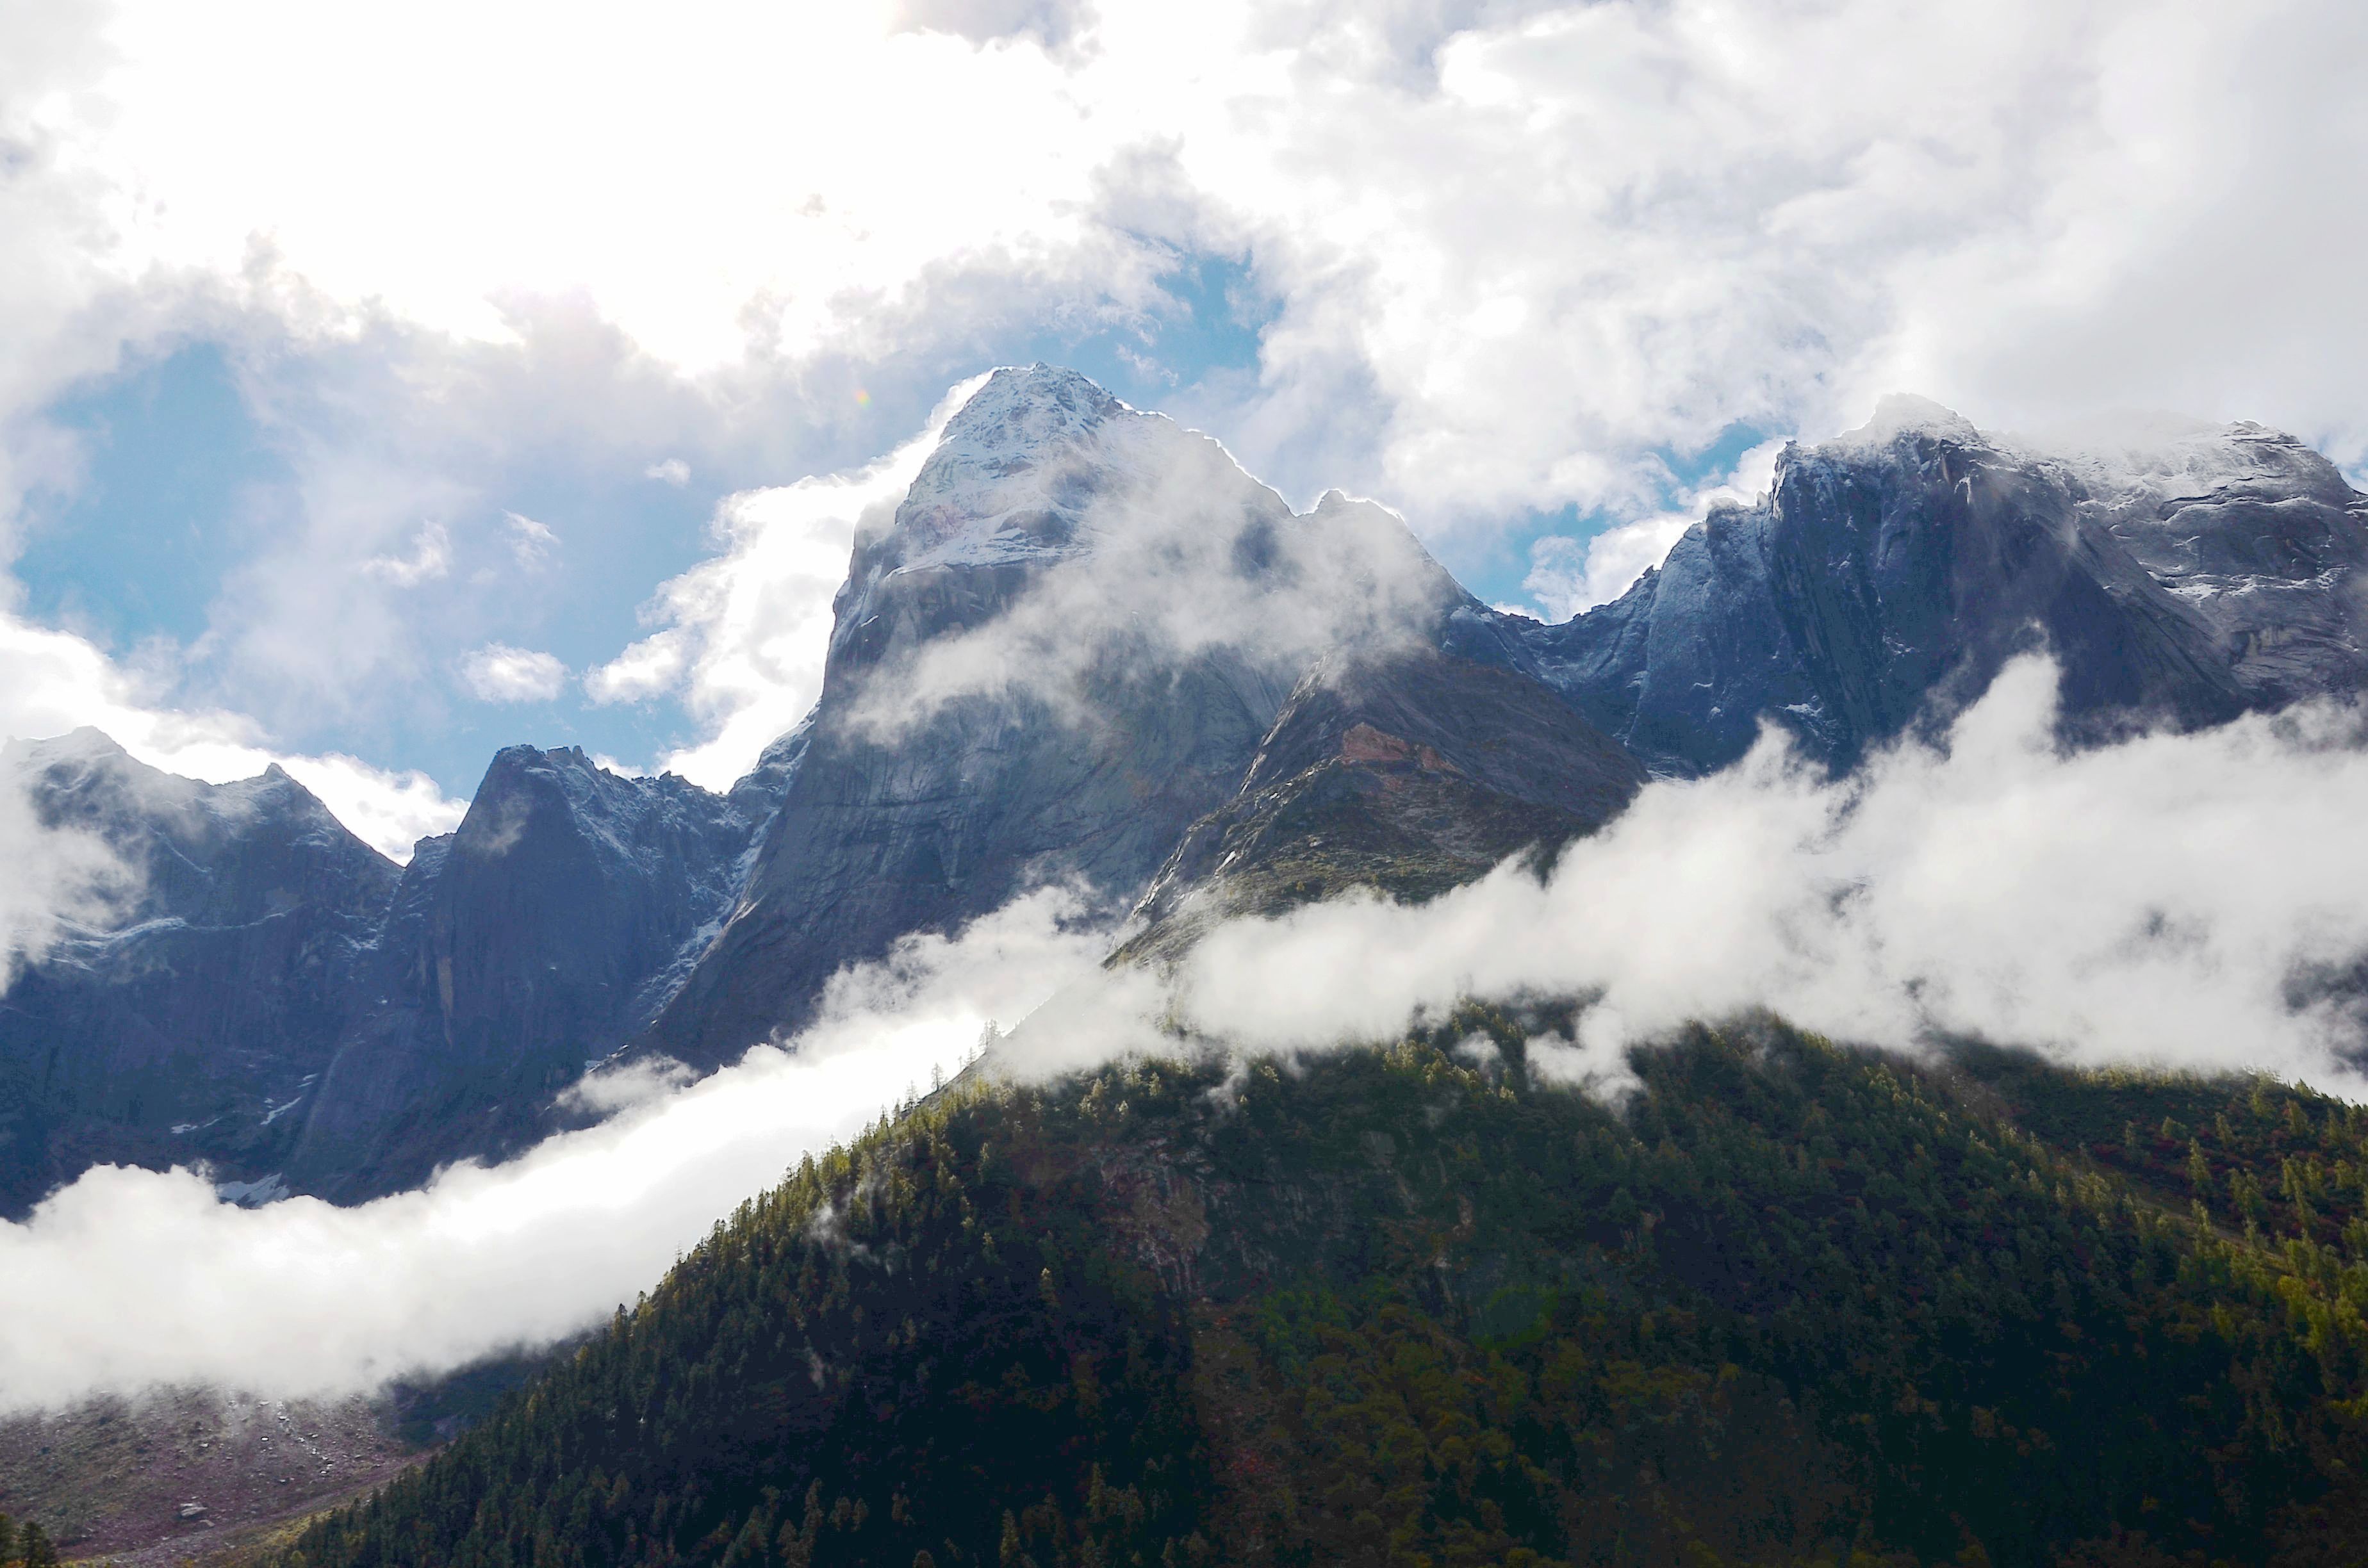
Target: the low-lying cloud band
(2178, 900)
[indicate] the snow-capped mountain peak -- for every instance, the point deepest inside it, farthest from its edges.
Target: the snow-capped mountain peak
(1014, 476)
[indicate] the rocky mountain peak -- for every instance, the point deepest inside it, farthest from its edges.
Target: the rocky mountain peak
(1898, 415)
(1023, 410)
(1016, 468)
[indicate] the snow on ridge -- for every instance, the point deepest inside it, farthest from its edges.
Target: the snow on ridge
(2156, 461)
(1904, 414)
(2131, 463)
(1013, 475)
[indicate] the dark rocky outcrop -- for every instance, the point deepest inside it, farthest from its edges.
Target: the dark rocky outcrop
(278, 1002)
(519, 949)
(1407, 774)
(1888, 575)
(192, 1024)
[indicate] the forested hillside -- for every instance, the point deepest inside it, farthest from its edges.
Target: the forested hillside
(1786, 1304)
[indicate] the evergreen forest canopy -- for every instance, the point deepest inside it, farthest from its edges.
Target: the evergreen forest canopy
(1788, 1304)
(25, 1546)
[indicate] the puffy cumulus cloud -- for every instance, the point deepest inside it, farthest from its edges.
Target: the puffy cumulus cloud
(390, 810)
(1585, 233)
(2186, 901)
(152, 1279)
(499, 673)
(1516, 249)
(56, 682)
(741, 637)
(718, 209)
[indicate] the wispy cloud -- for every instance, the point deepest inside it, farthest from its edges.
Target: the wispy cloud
(530, 541)
(2177, 900)
(430, 559)
(742, 636)
(57, 877)
(499, 673)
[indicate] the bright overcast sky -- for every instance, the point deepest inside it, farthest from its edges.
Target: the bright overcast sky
(379, 385)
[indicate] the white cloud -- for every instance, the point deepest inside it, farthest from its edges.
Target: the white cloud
(530, 541)
(742, 636)
(1534, 244)
(56, 876)
(430, 558)
(2156, 902)
(499, 673)
(670, 471)
(302, 1297)
(386, 810)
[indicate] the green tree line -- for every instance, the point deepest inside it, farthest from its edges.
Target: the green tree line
(1783, 1303)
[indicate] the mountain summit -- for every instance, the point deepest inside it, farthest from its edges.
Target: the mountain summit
(1088, 648)
(1898, 566)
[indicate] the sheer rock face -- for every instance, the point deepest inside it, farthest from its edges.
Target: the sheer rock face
(1067, 646)
(907, 816)
(276, 1000)
(191, 1019)
(519, 949)
(1888, 575)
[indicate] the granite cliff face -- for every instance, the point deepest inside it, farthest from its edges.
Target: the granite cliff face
(1890, 572)
(518, 950)
(195, 1024)
(1069, 647)
(1088, 648)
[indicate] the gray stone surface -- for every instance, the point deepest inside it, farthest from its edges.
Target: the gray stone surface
(1888, 575)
